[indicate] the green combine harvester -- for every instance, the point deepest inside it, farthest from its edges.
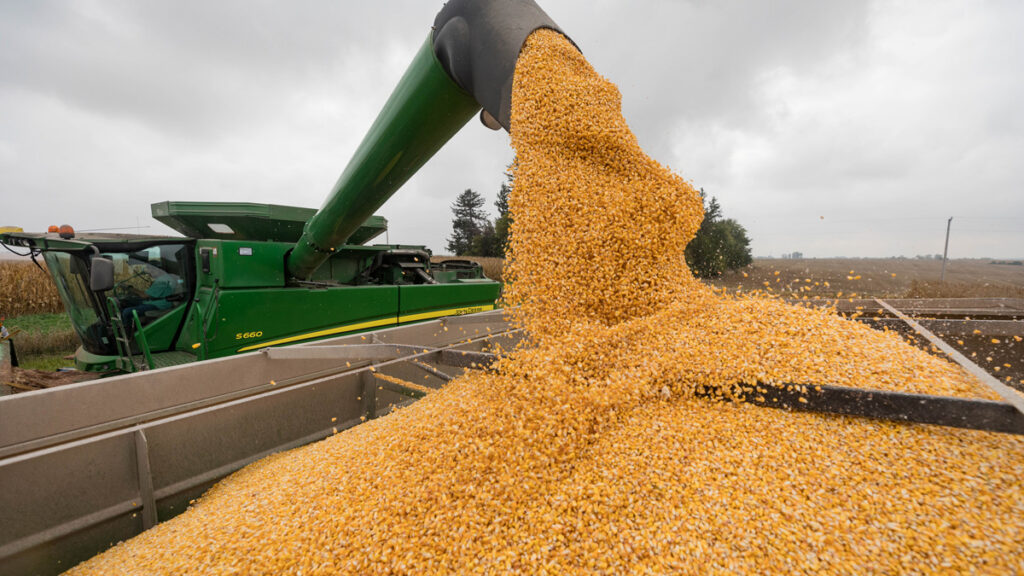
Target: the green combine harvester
(249, 276)
(144, 302)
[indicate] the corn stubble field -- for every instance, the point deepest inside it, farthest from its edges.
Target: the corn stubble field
(587, 452)
(878, 278)
(866, 277)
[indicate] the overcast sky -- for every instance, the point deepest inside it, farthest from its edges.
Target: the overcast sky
(829, 128)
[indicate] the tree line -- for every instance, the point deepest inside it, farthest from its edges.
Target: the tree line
(721, 244)
(473, 232)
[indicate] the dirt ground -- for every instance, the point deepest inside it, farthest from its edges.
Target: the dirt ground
(23, 380)
(881, 277)
(871, 277)
(14, 379)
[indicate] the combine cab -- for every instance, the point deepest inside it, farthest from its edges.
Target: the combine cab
(224, 288)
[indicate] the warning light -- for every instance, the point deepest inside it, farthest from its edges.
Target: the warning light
(53, 228)
(67, 232)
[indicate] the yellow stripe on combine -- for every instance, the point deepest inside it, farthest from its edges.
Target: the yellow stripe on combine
(449, 312)
(319, 333)
(372, 324)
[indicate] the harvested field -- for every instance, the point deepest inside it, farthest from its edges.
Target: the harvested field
(43, 334)
(44, 343)
(34, 343)
(980, 288)
(877, 277)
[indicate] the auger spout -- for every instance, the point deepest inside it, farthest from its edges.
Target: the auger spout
(466, 64)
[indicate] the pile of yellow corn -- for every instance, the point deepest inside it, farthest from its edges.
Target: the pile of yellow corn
(586, 451)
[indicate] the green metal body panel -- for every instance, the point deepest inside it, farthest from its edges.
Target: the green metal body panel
(249, 319)
(425, 110)
(89, 362)
(241, 264)
(426, 301)
(160, 332)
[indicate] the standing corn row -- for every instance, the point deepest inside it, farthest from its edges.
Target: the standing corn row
(25, 289)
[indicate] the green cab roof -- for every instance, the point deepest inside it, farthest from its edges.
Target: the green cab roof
(81, 241)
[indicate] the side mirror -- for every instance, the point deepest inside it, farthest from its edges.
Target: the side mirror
(101, 277)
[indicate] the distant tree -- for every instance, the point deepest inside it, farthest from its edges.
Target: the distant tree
(504, 219)
(503, 193)
(486, 242)
(719, 245)
(712, 209)
(736, 245)
(470, 222)
(473, 233)
(701, 253)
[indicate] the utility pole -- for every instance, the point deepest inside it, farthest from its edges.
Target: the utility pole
(945, 251)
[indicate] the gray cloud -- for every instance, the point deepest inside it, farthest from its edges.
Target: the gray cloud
(883, 117)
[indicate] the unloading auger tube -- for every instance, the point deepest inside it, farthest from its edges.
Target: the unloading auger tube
(466, 64)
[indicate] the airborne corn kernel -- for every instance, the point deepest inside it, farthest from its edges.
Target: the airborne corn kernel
(585, 452)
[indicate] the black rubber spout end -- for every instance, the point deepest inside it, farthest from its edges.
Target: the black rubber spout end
(477, 43)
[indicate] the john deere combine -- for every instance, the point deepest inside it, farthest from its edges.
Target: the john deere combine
(224, 287)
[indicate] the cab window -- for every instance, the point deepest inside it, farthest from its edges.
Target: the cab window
(150, 282)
